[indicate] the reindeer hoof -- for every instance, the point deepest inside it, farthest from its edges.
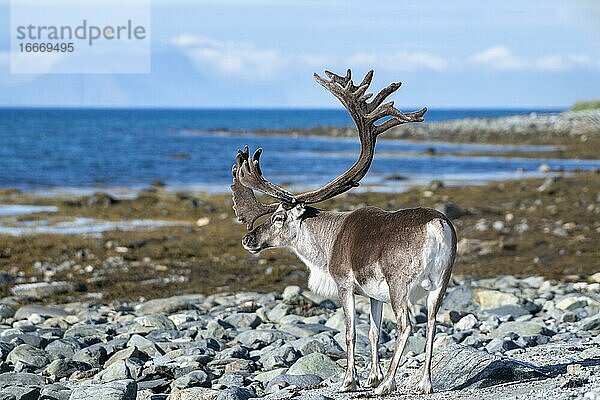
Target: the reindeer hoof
(374, 380)
(386, 388)
(425, 387)
(349, 386)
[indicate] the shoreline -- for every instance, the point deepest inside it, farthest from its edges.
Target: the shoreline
(577, 131)
(523, 227)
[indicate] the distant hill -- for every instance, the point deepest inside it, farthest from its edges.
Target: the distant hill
(586, 105)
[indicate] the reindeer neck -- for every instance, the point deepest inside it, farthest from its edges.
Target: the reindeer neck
(316, 237)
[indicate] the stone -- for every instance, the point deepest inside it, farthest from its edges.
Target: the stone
(25, 312)
(278, 312)
(95, 333)
(197, 378)
(591, 323)
(42, 290)
(148, 323)
(20, 379)
(304, 330)
(195, 393)
(508, 310)
(235, 393)
(594, 278)
(315, 364)
(458, 367)
(63, 348)
(266, 377)
(489, 299)
(125, 354)
(29, 356)
(168, 305)
(55, 392)
(520, 328)
(21, 393)
(233, 352)
(282, 356)
(571, 303)
(244, 320)
(120, 370)
(300, 381)
(467, 322)
(144, 345)
(214, 330)
(257, 339)
(94, 355)
(291, 293)
(442, 340)
(6, 311)
(415, 344)
(500, 346)
(230, 380)
(450, 210)
(117, 390)
(240, 366)
(62, 368)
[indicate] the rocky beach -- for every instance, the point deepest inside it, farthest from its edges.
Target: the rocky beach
(150, 295)
(505, 337)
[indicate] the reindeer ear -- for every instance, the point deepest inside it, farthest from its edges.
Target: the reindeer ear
(297, 211)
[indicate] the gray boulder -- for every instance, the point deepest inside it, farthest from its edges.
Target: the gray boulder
(235, 393)
(169, 305)
(300, 381)
(21, 393)
(29, 356)
(282, 356)
(20, 379)
(117, 390)
(45, 311)
(55, 392)
(196, 378)
(315, 364)
(458, 367)
(41, 290)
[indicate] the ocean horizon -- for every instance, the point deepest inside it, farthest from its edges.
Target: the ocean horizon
(96, 149)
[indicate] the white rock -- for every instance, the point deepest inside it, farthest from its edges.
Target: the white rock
(467, 322)
(202, 222)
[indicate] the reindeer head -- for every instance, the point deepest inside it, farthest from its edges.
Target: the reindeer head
(278, 231)
(288, 212)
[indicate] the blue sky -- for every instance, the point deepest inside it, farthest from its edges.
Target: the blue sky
(234, 53)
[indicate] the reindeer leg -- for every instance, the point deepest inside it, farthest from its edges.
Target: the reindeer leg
(346, 292)
(375, 375)
(388, 385)
(434, 300)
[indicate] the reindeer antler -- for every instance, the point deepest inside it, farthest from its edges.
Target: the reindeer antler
(365, 115)
(245, 205)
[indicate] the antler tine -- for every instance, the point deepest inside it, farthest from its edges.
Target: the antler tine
(250, 175)
(365, 115)
(401, 118)
(245, 205)
(382, 95)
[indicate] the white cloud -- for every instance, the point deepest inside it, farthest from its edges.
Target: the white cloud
(498, 57)
(231, 58)
(400, 61)
(502, 58)
(247, 61)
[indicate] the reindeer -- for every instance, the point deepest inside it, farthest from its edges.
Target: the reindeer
(394, 257)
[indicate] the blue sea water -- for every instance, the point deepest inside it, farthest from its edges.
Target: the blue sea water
(92, 149)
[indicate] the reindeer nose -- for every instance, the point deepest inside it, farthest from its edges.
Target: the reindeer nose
(246, 240)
